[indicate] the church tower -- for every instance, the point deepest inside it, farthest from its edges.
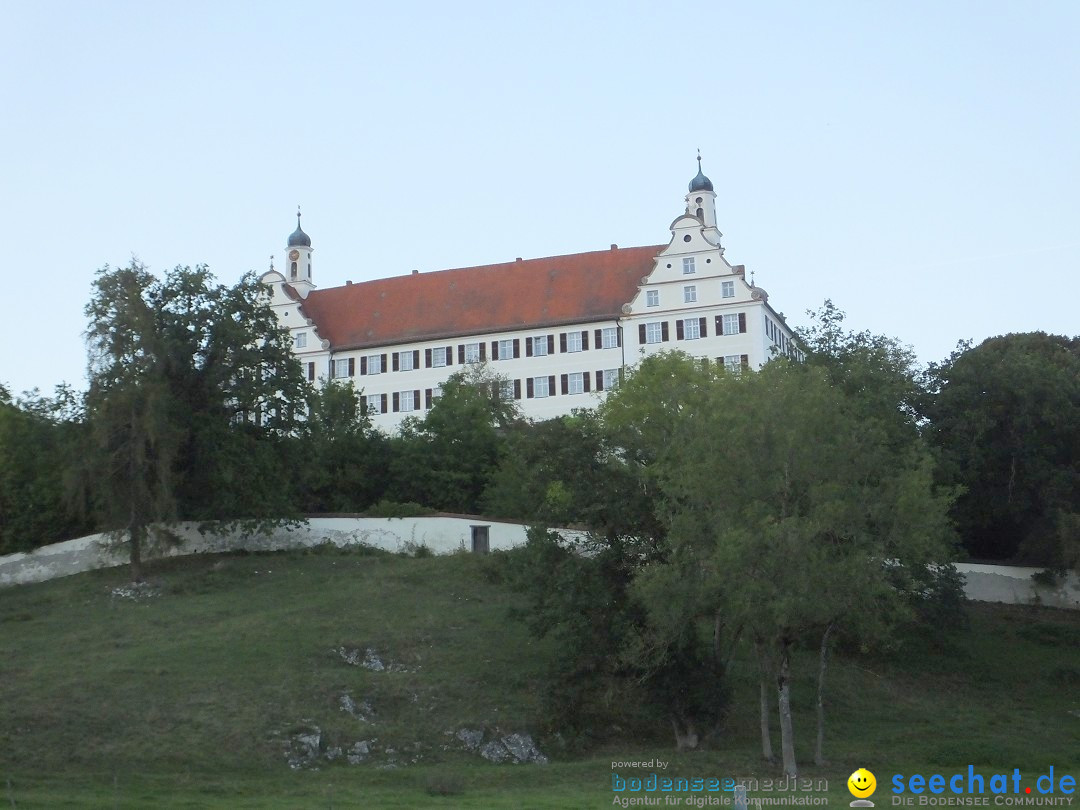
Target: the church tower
(298, 260)
(701, 203)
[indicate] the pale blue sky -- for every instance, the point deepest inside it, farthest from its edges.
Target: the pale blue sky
(918, 163)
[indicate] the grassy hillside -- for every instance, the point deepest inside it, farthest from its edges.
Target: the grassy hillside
(187, 698)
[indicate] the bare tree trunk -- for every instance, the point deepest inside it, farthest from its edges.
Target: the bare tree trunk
(136, 536)
(783, 683)
(763, 679)
(686, 738)
(823, 663)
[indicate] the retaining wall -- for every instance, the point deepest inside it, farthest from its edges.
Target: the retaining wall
(443, 535)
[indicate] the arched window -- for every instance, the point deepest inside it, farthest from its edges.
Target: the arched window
(701, 214)
(292, 269)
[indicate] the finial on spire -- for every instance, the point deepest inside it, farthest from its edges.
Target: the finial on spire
(699, 158)
(271, 262)
(752, 279)
(297, 216)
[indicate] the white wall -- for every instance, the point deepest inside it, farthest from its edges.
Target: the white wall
(443, 535)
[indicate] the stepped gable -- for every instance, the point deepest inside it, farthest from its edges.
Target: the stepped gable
(577, 288)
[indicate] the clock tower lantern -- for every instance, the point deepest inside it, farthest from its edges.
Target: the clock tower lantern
(298, 260)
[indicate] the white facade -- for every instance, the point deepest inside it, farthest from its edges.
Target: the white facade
(692, 300)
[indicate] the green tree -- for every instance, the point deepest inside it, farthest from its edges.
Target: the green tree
(789, 513)
(342, 459)
(38, 438)
(192, 387)
(1005, 418)
(446, 460)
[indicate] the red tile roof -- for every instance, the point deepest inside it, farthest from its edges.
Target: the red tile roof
(578, 288)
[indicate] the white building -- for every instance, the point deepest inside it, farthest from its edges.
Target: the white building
(560, 329)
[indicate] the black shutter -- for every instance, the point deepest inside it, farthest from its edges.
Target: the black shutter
(641, 333)
(528, 347)
(745, 361)
(584, 340)
(310, 372)
(427, 398)
(427, 358)
(599, 381)
(363, 365)
(517, 389)
(483, 346)
(383, 404)
(719, 325)
(664, 332)
(331, 368)
(449, 355)
(517, 348)
(529, 388)
(352, 366)
(679, 330)
(562, 342)
(703, 325)
(618, 336)
(461, 354)
(396, 364)
(416, 398)
(551, 385)
(742, 322)
(383, 367)
(599, 338)
(397, 400)
(565, 380)
(585, 380)
(494, 350)
(416, 360)
(551, 344)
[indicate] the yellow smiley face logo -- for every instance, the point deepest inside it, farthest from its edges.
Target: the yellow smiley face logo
(862, 783)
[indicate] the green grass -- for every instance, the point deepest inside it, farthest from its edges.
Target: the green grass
(183, 700)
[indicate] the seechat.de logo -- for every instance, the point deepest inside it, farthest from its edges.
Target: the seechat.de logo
(862, 785)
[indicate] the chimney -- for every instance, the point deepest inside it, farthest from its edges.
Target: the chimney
(348, 282)
(416, 272)
(614, 246)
